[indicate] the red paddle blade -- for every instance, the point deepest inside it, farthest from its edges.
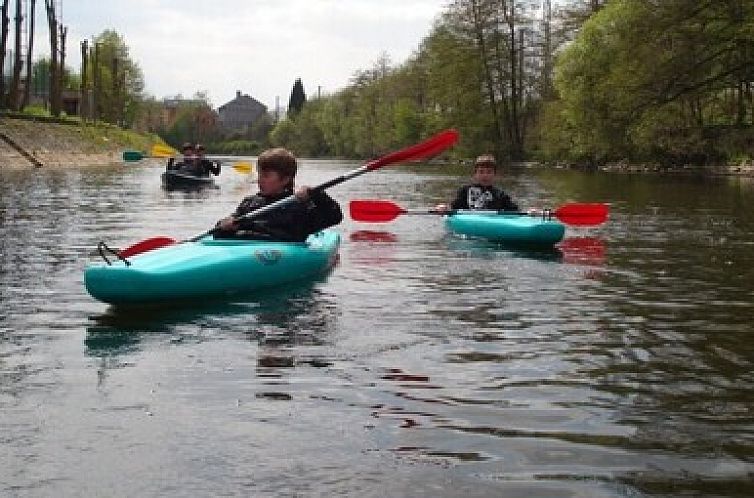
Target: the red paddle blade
(423, 150)
(582, 214)
(374, 211)
(146, 245)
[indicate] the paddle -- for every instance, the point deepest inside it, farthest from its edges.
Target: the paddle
(377, 211)
(421, 151)
(160, 151)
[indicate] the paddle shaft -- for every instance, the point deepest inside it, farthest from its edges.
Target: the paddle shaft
(545, 213)
(131, 156)
(291, 199)
(421, 151)
(431, 146)
(577, 214)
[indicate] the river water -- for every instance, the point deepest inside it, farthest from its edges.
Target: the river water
(422, 365)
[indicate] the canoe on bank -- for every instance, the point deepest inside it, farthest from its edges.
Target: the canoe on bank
(182, 179)
(209, 269)
(510, 229)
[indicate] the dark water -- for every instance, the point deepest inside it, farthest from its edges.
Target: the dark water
(423, 365)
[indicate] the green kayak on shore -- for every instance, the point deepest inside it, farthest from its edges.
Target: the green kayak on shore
(515, 229)
(209, 269)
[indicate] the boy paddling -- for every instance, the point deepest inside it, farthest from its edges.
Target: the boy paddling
(482, 194)
(313, 211)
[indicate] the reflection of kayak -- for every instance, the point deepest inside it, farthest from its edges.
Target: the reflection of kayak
(511, 229)
(183, 179)
(210, 269)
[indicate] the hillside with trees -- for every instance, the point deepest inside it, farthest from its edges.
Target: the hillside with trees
(586, 82)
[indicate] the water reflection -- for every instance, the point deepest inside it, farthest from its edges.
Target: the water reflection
(292, 314)
(422, 359)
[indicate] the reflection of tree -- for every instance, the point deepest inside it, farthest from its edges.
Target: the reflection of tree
(40, 214)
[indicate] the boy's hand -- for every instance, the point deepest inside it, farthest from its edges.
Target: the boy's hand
(303, 193)
(228, 223)
(441, 208)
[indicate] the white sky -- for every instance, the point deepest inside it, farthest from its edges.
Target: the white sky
(257, 46)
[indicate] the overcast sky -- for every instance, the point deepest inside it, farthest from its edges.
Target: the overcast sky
(257, 46)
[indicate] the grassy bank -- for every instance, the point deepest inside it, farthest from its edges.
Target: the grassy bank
(27, 140)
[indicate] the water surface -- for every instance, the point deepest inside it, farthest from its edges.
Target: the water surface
(422, 365)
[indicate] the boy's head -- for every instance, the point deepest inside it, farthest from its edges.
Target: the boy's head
(187, 149)
(485, 168)
(277, 169)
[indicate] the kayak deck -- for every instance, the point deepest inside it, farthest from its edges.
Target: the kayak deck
(210, 268)
(510, 229)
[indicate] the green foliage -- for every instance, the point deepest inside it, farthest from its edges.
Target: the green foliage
(36, 110)
(297, 99)
(669, 81)
(235, 147)
(194, 121)
(118, 97)
(655, 81)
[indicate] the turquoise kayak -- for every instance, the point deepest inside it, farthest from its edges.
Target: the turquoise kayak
(210, 269)
(511, 229)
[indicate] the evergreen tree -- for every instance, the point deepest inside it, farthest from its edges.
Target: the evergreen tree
(298, 98)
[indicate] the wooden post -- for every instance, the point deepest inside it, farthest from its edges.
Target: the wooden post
(13, 100)
(61, 67)
(4, 23)
(29, 52)
(113, 114)
(52, 21)
(84, 93)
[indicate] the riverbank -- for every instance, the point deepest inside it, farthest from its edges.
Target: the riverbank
(742, 168)
(27, 142)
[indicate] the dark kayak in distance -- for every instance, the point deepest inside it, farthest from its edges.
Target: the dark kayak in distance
(177, 179)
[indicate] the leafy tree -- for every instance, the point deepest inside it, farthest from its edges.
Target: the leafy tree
(297, 99)
(118, 80)
(642, 78)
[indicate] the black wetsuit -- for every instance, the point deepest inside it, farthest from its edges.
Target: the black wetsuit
(293, 222)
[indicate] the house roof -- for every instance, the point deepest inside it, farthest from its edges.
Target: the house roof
(242, 100)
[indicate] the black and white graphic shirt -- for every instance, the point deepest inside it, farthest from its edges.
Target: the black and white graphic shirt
(482, 197)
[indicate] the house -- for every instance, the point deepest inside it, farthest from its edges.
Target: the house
(241, 113)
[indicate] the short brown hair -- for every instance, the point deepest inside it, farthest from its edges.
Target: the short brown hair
(278, 159)
(485, 161)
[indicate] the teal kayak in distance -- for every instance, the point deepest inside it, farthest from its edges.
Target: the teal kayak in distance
(511, 229)
(210, 269)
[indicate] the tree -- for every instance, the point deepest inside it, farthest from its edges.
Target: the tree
(29, 52)
(56, 68)
(4, 29)
(18, 61)
(118, 83)
(297, 99)
(658, 80)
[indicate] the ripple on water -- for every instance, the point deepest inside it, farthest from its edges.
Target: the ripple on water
(423, 365)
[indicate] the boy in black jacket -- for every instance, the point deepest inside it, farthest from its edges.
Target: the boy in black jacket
(294, 222)
(482, 194)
